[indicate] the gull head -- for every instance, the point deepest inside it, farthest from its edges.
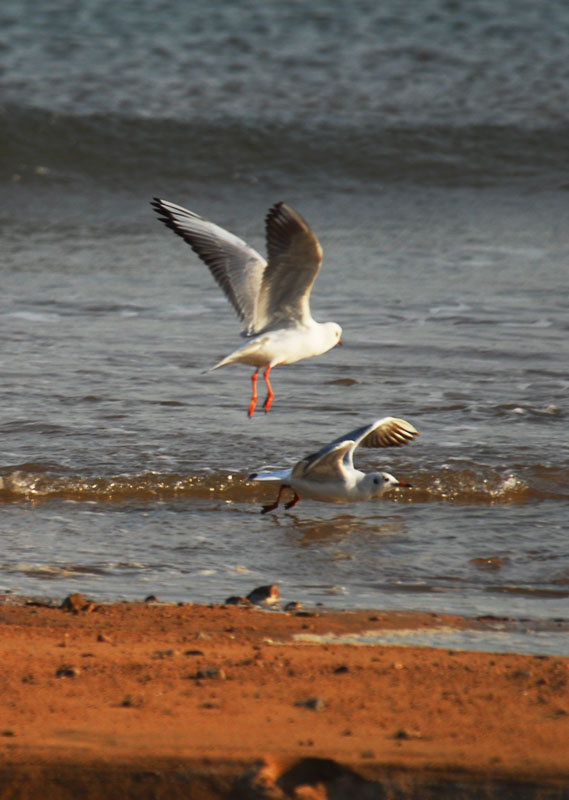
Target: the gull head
(333, 334)
(376, 483)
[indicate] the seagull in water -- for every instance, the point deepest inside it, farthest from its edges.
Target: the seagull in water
(270, 297)
(330, 475)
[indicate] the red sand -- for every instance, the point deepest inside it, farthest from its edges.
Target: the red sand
(204, 702)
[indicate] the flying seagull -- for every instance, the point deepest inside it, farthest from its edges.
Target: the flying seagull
(271, 297)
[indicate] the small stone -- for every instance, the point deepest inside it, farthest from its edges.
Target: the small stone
(163, 653)
(210, 672)
(234, 600)
(341, 669)
(151, 599)
(129, 701)
(309, 791)
(102, 637)
(313, 703)
(294, 605)
(74, 603)
(193, 652)
(67, 671)
(265, 595)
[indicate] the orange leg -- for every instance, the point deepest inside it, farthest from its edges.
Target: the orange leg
(272, 506)
(268, 402)
(253, 401)
(293, 502)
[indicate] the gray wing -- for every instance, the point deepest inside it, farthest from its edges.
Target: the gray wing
(328, 463)
(236, 267)
(294, 257)
(385, 432)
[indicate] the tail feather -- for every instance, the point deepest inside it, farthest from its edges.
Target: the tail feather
(250, 348)
(223, 363)
(277, 476)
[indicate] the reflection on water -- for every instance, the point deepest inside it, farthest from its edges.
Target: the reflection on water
(338, 527)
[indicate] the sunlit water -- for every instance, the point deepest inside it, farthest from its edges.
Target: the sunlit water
(446, 246)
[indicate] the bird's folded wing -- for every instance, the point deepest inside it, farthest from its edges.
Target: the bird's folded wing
(236, 267)
(294, 257)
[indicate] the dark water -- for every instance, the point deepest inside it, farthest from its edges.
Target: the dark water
(427, 146)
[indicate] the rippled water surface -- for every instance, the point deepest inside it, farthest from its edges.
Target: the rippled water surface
(428, 153)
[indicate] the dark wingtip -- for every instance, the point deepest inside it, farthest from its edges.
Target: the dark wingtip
(165, 216)
(274, 210)
(156, 204)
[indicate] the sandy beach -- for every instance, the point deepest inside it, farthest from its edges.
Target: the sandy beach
(162, 700)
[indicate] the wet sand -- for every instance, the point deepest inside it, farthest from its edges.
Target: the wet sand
(160, 700)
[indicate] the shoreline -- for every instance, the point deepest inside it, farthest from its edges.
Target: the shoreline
(212, 701)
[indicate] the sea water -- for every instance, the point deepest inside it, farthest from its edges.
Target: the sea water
(426, 145)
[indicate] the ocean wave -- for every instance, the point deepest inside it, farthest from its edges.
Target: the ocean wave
(122, 151)
(32, 316)
(483, 486)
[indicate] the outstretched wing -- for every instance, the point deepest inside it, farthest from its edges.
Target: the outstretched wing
(325, 465)
(385, 432)
(236, 267)
(294, 257)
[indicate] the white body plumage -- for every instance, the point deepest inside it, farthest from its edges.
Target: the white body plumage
(330, 476)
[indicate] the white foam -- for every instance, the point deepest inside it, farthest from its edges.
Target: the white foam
(528, 641)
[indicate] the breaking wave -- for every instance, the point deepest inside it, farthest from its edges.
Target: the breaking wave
(120, 151)
(464, 487)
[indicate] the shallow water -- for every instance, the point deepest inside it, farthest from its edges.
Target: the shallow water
(438, 190)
